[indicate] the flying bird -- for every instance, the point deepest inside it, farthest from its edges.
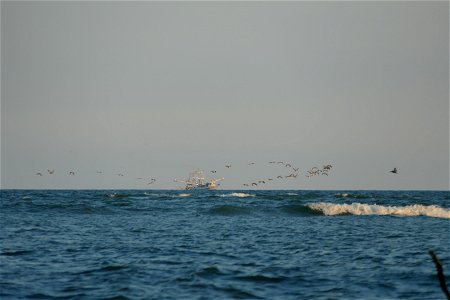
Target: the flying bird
(252, 163)
(394, 171)
(295, 169)
(39, 173)
(51, 171)
(213, 171)
(99, 172)
(254, 183)
(288, 165)
(228, 166)
(279, 176)
(71, 173)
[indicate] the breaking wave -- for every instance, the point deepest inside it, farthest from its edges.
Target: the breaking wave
(331, 209)
(240, 195)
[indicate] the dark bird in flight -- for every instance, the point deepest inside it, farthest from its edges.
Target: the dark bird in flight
(254, 183)
(39, 173)
(245, 184)
(270, 179)
(51, 171)
(279, 176)
(394, 171)
(228, 166)
(121, 175)
(272, 162)
(252, 163)
(261, 181)
(295, 169)
(288, 165)
(213, 171)
(71, 173)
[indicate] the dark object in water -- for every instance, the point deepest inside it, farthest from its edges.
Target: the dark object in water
(440, 274)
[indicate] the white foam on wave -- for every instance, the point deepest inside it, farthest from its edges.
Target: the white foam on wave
(331, 209)
(184, 195)
(292, 194)
(240, 195)
(343, 195)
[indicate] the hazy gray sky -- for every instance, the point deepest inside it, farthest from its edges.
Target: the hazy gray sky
(154, 90)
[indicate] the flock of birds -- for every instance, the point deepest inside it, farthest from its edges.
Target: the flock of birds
(315, 171)
(294, 173)
(72, 173)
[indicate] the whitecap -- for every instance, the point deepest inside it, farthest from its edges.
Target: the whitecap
(343, 195)
(240, 195)
(184, 195)
(331, 209)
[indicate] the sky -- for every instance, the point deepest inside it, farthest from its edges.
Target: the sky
(158, 89)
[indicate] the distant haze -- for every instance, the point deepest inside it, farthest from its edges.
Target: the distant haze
(157, 89)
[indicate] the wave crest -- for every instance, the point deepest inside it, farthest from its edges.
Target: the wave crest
(331, 209)
(240, 195)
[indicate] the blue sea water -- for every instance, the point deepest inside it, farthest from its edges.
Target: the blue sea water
(157, 244)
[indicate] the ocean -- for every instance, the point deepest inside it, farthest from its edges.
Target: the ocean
(223, 244)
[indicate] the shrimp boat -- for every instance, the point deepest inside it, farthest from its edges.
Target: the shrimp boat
(197, 181)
